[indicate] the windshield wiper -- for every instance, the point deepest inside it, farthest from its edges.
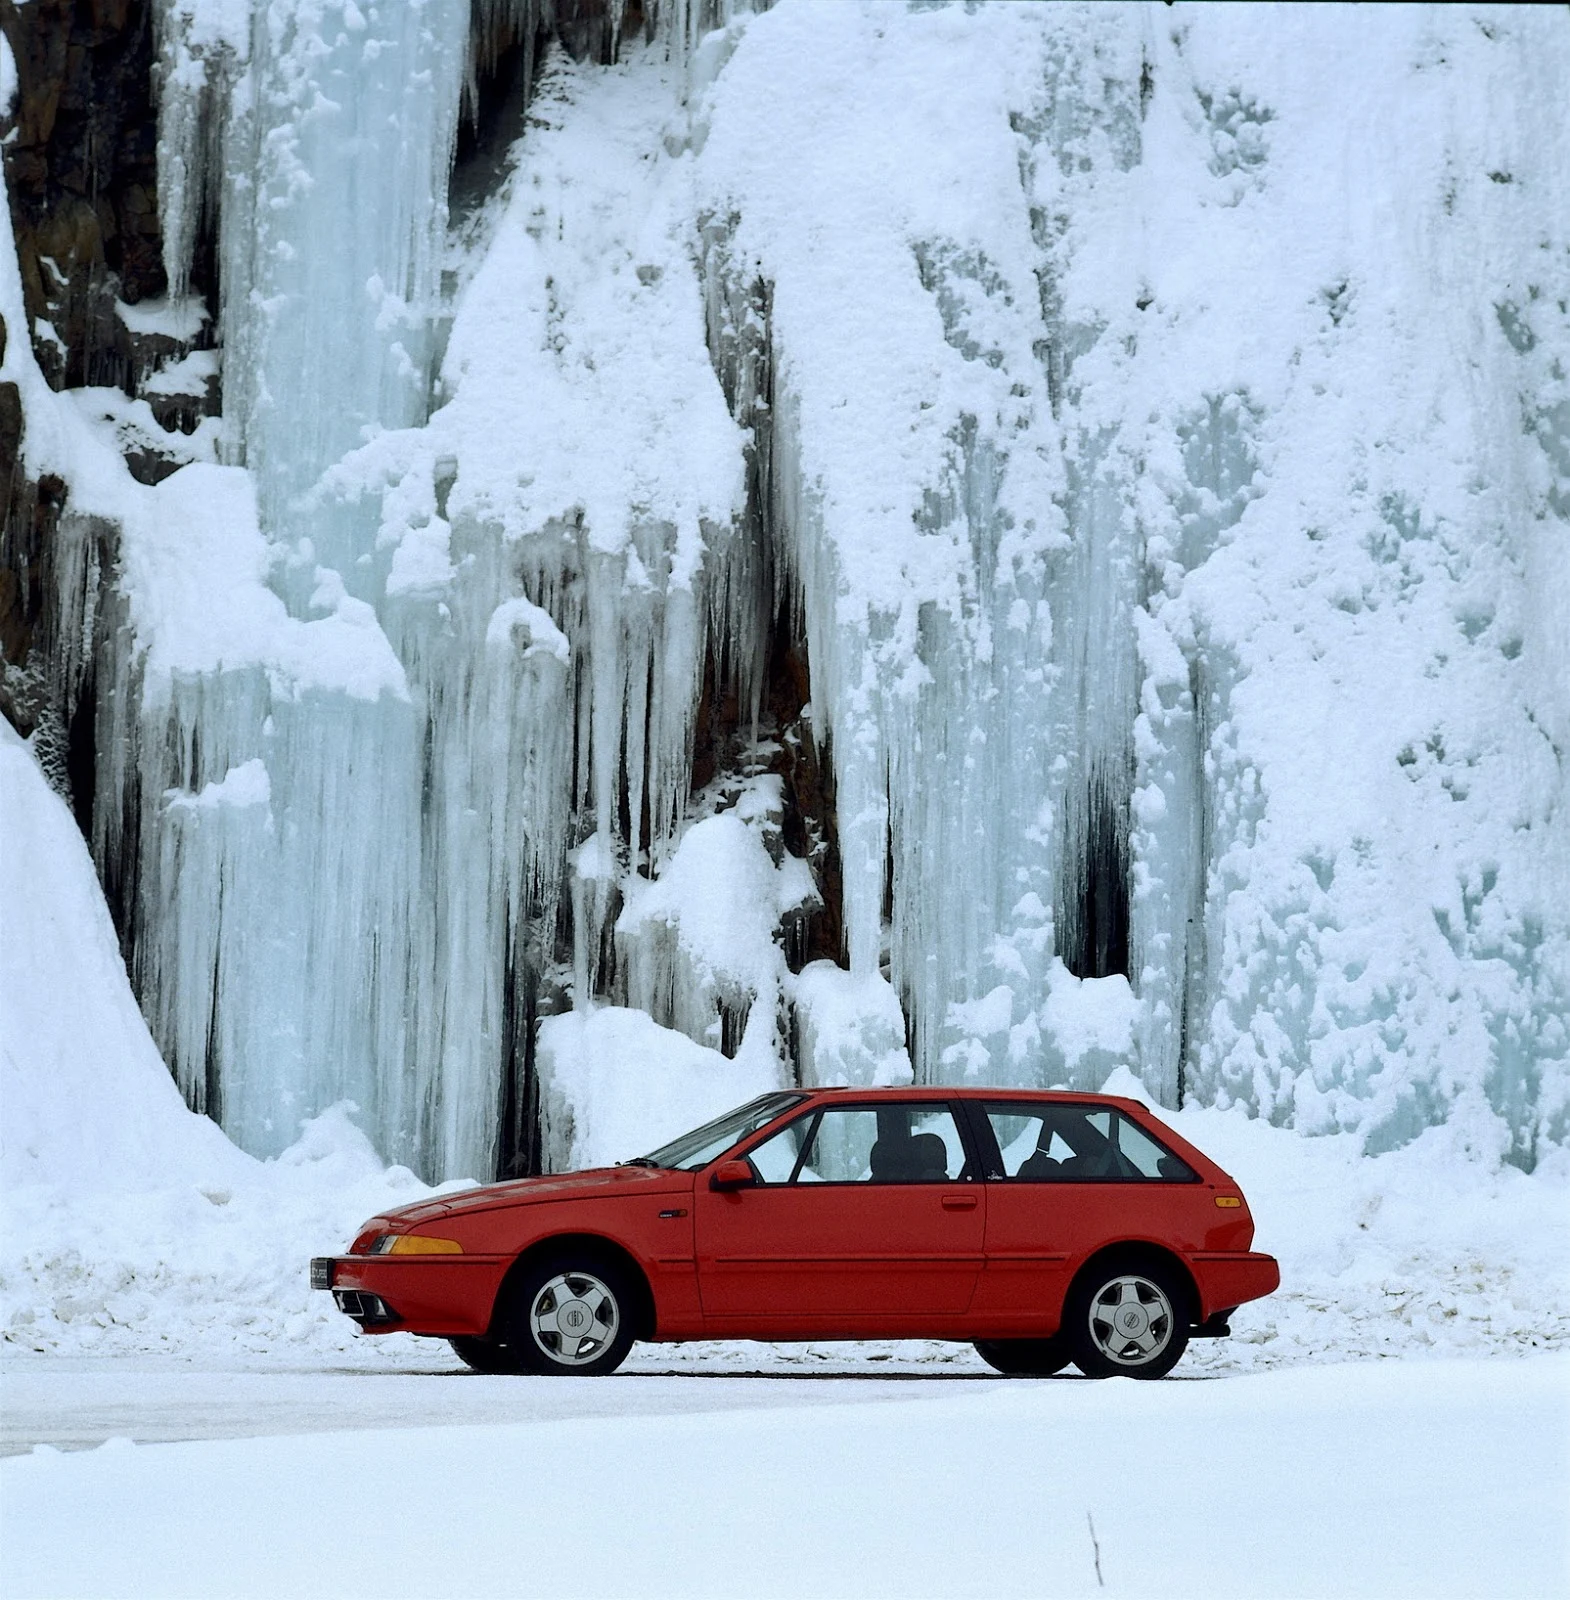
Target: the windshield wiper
(639, 1161)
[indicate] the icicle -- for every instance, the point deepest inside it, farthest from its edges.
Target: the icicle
(201, 53)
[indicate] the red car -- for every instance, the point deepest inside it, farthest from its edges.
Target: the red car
(1046, 1228)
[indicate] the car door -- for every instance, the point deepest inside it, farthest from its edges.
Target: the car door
(1067, 1178)
(865, 1220)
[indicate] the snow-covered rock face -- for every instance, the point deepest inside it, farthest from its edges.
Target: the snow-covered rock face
(1156, 418)
(1150, 530)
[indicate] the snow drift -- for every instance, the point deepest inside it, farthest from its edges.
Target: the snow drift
(86, 1098)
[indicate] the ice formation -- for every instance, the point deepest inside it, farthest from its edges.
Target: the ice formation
(1149, 424)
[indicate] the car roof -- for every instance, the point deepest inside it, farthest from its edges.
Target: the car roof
(940, 1091)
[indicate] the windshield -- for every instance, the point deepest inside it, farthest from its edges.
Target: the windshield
(702, 1145)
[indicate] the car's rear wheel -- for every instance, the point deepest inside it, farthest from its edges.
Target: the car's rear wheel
(485, 1355)
(571, 1316)
(1024, 1358)
(1127, 1320)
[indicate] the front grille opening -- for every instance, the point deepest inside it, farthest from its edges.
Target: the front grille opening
(369, 1310)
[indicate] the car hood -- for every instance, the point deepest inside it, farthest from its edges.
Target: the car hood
(598, 1183)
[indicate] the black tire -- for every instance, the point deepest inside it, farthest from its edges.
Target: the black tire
(1127, 1319)
(485, 1355)
(1024, 1358)
(600, 1312)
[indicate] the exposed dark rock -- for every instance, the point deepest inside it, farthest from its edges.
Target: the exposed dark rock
(37, 676)
(1093, 913)
(29, 513)
(80, 154)
(589, 29)
(81, 174)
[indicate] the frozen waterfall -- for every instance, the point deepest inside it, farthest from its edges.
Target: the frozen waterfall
(989, 542)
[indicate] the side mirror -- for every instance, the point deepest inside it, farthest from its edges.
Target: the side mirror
(731, 1175)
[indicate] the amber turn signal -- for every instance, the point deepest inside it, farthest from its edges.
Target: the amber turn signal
(422, 1244)
(1228, 1202)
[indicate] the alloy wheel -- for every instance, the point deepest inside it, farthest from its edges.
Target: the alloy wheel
(1131, 1321)
(574, 1318)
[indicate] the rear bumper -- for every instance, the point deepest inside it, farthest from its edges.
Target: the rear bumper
(444, 1296)
(1228, 1279)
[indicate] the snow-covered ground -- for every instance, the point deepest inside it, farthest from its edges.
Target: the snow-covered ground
(134, 1229)
(1412, 1253)
(1412, 1479)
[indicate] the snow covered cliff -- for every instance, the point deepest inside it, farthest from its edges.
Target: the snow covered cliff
(983, 541)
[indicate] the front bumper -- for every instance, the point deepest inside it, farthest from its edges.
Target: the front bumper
(446, 1296)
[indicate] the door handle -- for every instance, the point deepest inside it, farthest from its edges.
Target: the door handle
(959, 1202)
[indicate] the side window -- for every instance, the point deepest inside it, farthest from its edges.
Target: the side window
(914, 1142)
(1047, 1143)
(1150, 1159)
(775, 1159)
(841, 1149)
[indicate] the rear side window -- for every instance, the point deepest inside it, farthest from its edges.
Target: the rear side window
(1080, 1144)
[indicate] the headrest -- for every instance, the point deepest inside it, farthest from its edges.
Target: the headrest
(910, 1158)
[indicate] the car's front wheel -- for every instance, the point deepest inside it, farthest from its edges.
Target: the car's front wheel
(1127, 1320)
(1024, 1358)
(571, 1316)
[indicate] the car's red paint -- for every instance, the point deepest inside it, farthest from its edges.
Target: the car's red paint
(979, 1256)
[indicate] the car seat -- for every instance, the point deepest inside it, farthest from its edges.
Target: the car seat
(911, 1158)
(1040, 1165)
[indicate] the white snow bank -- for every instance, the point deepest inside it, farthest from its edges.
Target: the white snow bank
(580, 384)
(212, 1268)
(1370, 1482)
(85, 1099)
(182, 319)
(1436, 1248)
(614, 1084)
(1090, 1014)
(126, 426)
(190, 375)
(699, 947)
